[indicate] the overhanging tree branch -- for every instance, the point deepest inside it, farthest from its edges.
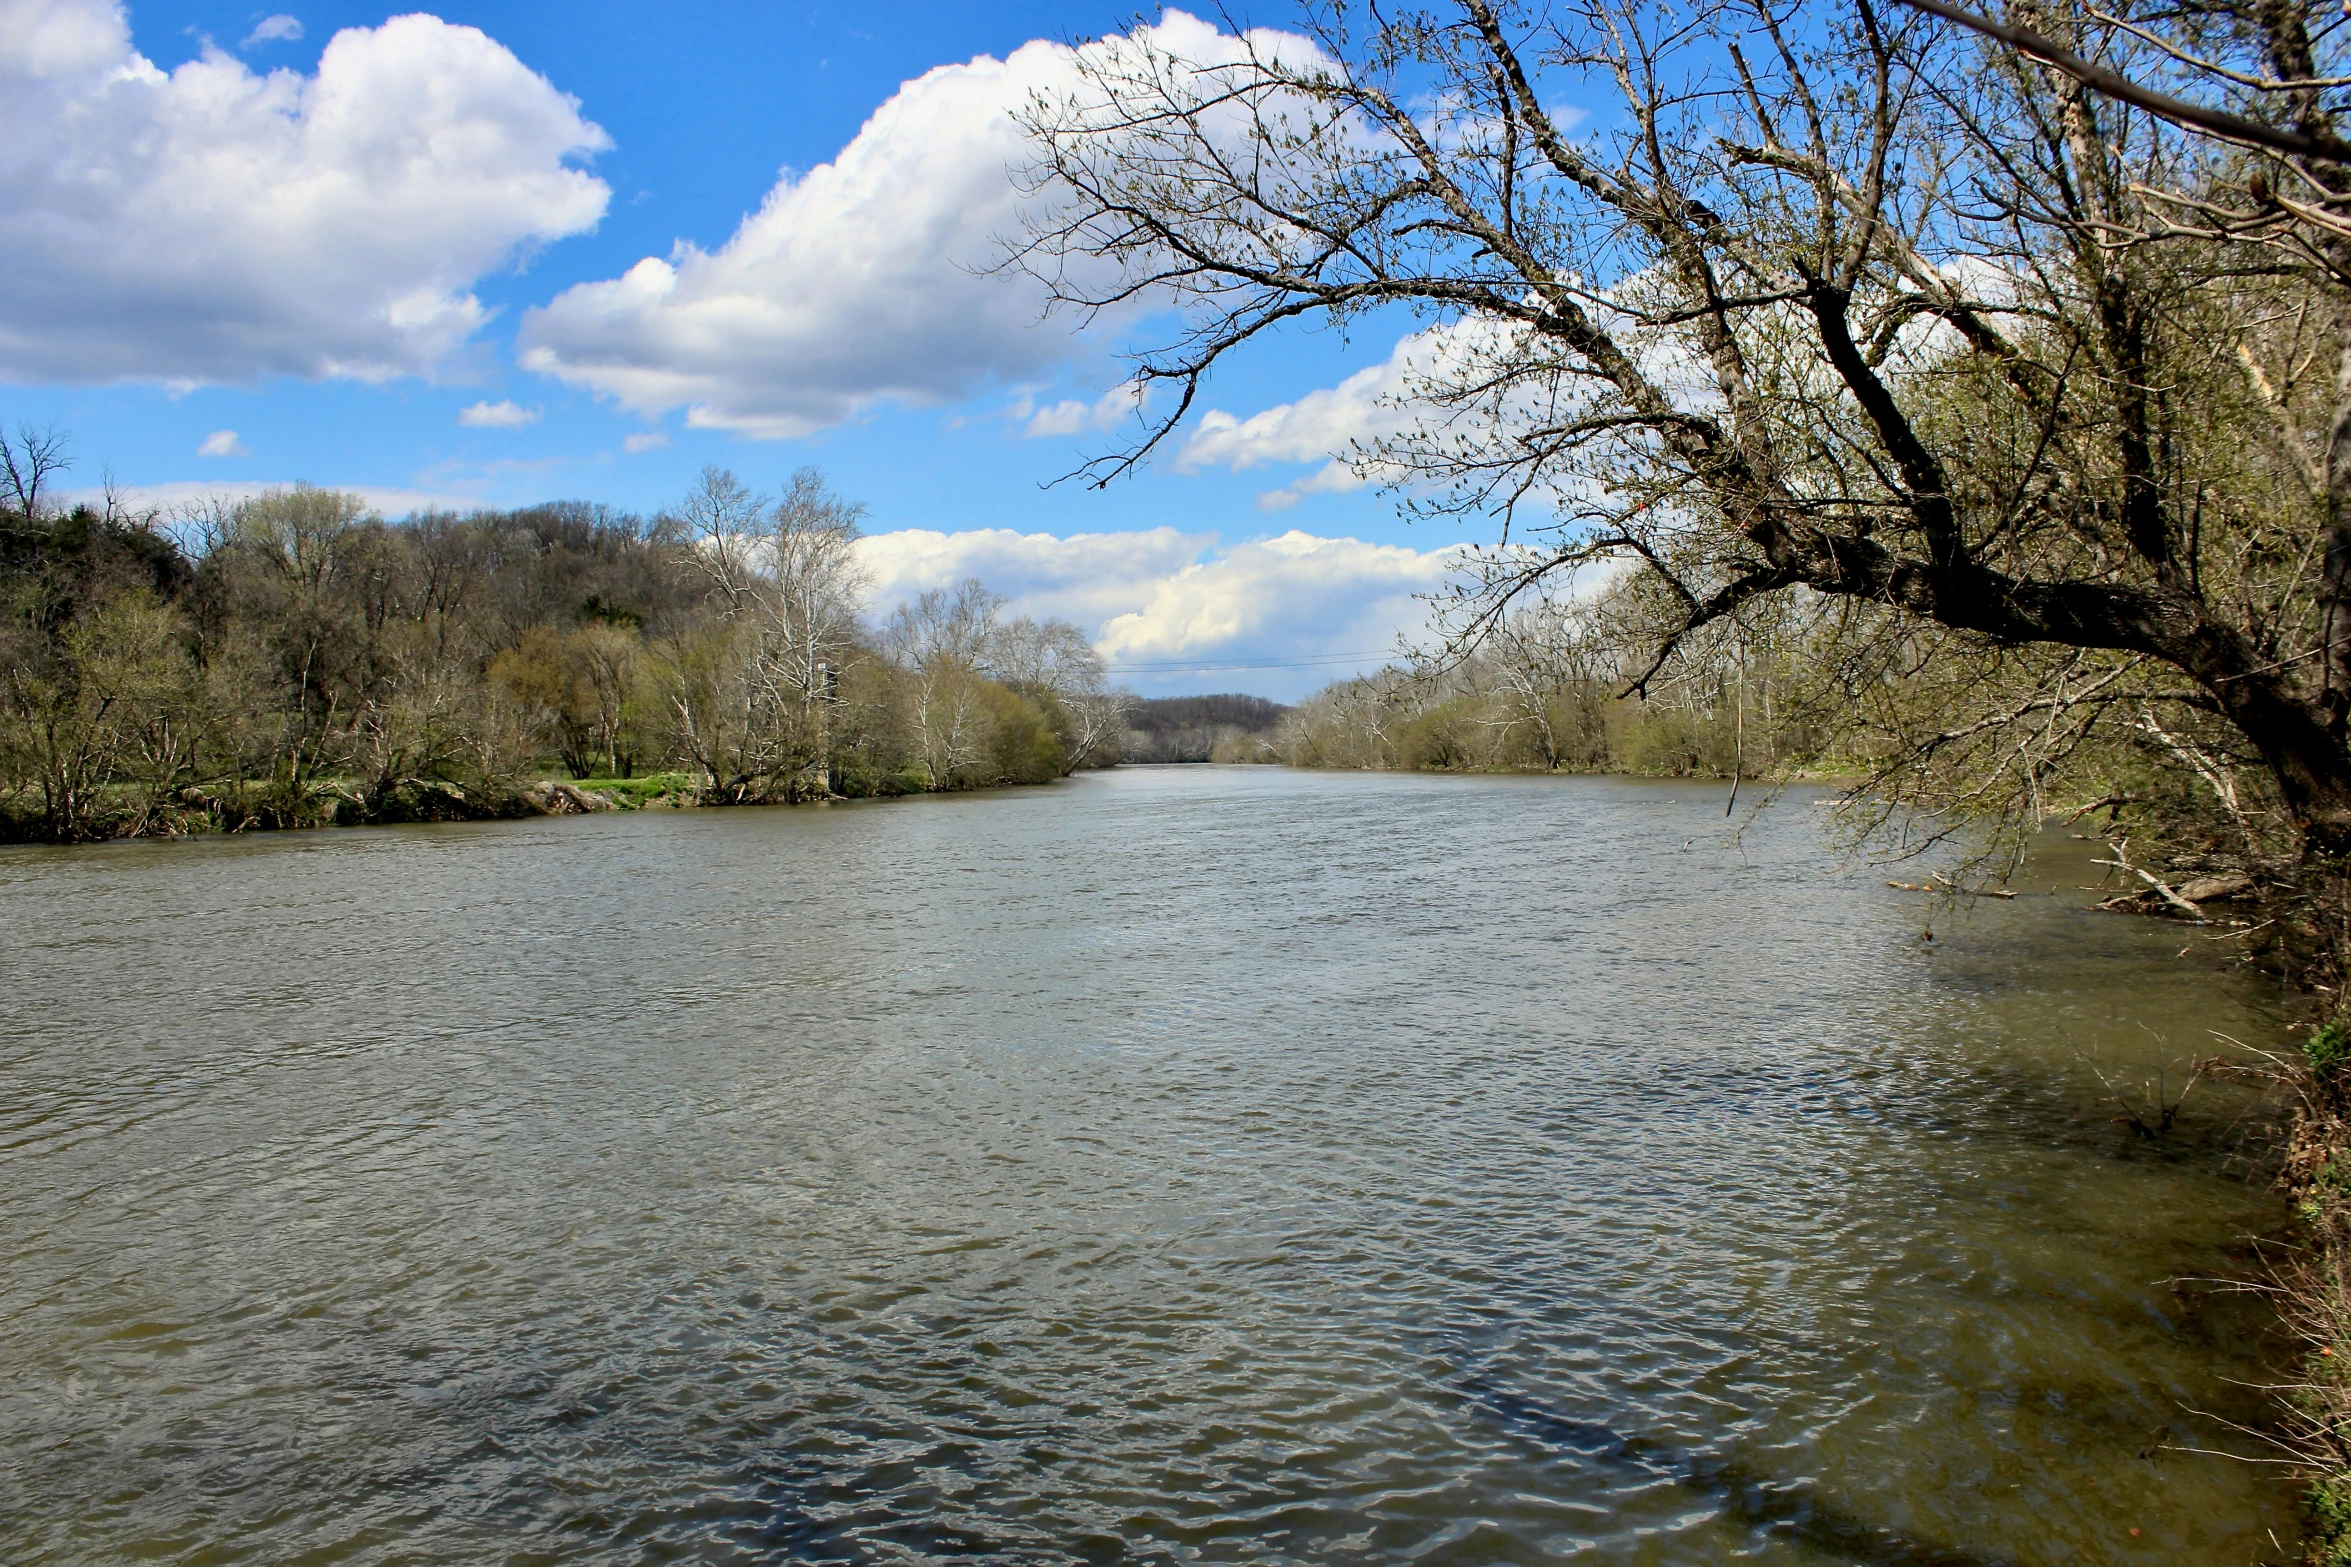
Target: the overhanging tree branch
(2180, 111)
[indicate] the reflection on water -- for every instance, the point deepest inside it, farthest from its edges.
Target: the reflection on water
(1178, 1165)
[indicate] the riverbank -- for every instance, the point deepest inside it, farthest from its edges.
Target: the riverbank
(1832, 777)
(196, 812)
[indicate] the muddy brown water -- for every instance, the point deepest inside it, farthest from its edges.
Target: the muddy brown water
(1177, 1165)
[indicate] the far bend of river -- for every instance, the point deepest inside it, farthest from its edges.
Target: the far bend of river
(1177, 1165)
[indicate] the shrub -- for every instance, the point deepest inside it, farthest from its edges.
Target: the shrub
(1022, 747)
(2326, 1049)
(2328, 1503)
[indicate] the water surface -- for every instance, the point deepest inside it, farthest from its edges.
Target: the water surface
(1179, 1165)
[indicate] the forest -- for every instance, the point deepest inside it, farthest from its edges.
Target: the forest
(293, 659)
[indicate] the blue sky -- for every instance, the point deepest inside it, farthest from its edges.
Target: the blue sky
(286, 273)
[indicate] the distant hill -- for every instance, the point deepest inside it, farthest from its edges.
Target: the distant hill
(1190, 728)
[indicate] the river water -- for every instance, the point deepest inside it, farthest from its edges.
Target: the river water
(1175, 1165)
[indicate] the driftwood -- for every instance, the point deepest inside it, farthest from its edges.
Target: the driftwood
(557, 798)
(1945, 884)
(2169, 893)
(2223, 888)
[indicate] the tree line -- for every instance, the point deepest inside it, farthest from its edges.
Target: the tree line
(295, 659)
(1548, 686)
(1198, 728)
(1543, 690)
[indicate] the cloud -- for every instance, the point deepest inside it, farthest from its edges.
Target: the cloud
(274, 29)
(502, 415)
(1472, 385)
(212, 224)
(223, 443)
(649, 441)
(1296, 591)
(1316, 428)
(1086, 578)
(1335, 477)
(458, 471)
(1072, 417)
(1336, 427)
(1172, 610)
(854, 284)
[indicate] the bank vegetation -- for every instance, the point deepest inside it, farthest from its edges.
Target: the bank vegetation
(293, 659)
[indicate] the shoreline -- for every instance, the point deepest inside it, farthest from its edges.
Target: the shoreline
(195, 813)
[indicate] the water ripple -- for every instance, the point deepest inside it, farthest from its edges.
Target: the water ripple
(1186, 1165)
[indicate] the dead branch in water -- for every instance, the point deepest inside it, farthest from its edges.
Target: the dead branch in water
(2122, 861)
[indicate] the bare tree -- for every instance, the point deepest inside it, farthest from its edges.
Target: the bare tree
(2274, 174)
(787, 576)
(1543, 661)
(1852, 323)
(27, 464)
(941, 637)
(1054, 658)
(100, 710)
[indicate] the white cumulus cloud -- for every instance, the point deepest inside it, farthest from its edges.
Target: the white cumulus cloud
(1087, 578)
(1434, 380)
(1315, 428)
(1334, 427)
(648, 441)
(859, 282)
(212, 224)
(223, 443)
(504, 414)
(1280, 616)
(1297, 592)
(1073, 417)
(274, 30)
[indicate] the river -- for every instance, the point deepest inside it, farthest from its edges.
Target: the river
(1171, 1165)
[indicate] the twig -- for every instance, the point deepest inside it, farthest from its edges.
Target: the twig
(2122, 861)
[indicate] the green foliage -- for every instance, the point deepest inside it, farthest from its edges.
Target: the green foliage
(588, 687)
(858, 780)
(2325, 1196)
(2328, 1506)
(2326, 1049)
(1023, 744)
(1674, 742)
(1441, 738)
